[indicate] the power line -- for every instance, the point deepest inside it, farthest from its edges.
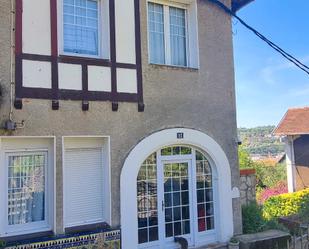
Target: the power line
(285, 54)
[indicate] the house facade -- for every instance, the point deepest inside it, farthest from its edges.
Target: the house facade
(120, 113)
(294, 130)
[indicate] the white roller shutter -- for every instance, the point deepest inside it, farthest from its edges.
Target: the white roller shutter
(83, 185)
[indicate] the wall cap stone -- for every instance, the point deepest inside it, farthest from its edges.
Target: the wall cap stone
(246, 172)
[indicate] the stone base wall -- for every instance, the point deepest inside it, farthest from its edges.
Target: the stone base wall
(247, 186)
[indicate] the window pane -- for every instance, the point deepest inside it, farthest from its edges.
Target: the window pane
(156, 33)
(176, 206)
(178, 36)
(80, 27)
(176, 150)
(205, 204)
(147, 200)
(26, 189)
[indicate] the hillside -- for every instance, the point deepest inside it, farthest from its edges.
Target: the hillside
(259, 141)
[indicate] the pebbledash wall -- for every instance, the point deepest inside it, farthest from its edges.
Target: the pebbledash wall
(200, 99)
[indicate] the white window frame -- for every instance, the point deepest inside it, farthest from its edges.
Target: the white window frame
(103, 32)
(24, 145)
(192, 58)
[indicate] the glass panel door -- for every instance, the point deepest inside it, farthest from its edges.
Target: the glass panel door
(176, 205)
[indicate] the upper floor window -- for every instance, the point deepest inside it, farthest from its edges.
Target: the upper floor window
(167, 34)
(81, 22)
(169, 31)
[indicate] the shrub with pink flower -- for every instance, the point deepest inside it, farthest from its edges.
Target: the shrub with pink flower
(280, 188)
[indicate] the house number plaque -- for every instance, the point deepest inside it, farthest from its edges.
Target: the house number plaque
(180, 135)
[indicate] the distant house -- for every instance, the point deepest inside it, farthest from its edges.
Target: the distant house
(294, 127)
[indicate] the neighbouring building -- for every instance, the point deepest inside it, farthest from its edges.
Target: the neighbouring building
(294, 129)
(118, 113)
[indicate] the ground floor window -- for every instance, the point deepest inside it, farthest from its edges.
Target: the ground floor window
(86, 181)
(175, 195)
(27, 185)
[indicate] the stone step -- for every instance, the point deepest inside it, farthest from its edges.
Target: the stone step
(266, 240)
(214, 246)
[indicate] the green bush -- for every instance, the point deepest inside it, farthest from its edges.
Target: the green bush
(2, 244)
(254, 221)
(252, 218)
(287, 205)
(304, 210)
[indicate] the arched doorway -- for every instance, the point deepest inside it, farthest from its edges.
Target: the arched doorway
(176, 187)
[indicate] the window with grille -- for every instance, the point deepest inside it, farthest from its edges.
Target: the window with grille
(81, 24)
(26, 188)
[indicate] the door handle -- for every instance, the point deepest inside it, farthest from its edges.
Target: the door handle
(163, 206)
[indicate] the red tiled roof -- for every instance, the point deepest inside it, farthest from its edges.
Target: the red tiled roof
(294, 122)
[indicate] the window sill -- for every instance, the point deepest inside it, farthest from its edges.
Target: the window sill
(26, 235)
(173, 67)
(87, 228)
(80, 59)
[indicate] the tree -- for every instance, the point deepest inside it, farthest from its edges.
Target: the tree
(245, 162)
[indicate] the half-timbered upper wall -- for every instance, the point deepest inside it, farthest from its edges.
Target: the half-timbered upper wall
(45, 70)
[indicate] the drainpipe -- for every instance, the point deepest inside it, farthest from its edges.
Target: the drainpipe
(10, 124)
(12, 60)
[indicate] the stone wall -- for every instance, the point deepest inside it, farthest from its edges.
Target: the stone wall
(247, 186)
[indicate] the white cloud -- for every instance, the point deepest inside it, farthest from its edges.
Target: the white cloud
(270, 73)
(304, 91)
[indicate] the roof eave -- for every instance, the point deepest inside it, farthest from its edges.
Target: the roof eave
(280, 134)
(238, 4)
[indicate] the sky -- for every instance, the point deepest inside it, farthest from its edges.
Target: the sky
(266, 83)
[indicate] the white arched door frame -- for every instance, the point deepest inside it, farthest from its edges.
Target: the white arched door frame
(152, 143)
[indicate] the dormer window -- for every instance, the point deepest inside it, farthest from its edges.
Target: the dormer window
(172, 34)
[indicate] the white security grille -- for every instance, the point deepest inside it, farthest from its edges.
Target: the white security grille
(26, 188)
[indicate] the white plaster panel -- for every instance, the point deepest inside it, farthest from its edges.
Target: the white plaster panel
(99, 78)
(37, 74)
(126, 80)
(70, 76)
(125, 31)
(36, 27)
